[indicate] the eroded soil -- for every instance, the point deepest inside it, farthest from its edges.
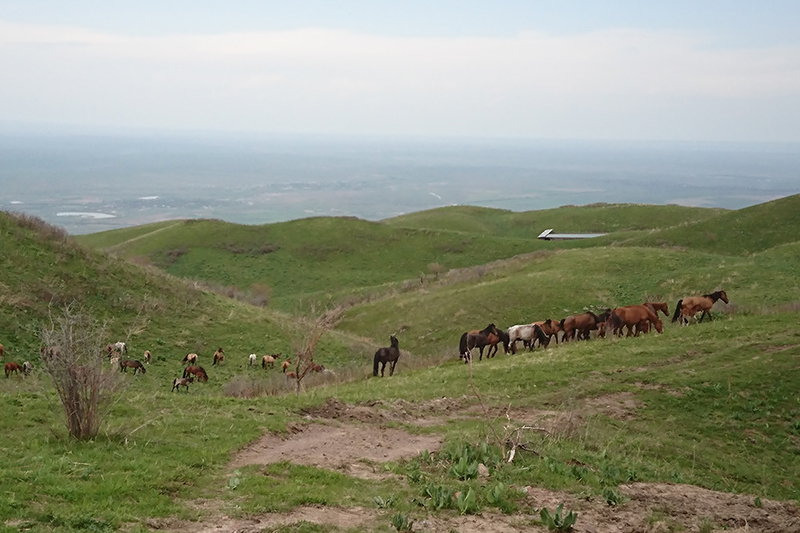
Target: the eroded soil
(354, 439)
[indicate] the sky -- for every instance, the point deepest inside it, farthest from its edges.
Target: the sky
(613, 70)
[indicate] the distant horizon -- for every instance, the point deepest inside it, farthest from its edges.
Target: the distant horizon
(90, 183)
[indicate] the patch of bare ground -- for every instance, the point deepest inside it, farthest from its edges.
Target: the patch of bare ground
(619, 405)
(351, 440)
(429, 413)
(651, 508)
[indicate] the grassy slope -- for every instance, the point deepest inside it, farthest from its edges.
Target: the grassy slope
(323, 258)
(745, 231)
(587, 219)
(733, 425)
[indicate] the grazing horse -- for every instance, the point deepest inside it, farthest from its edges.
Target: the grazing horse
(27, 368)
(191, 359)
(688, 307)
(182, 382)
(578, 326)
(251, 359)
(132, 363)
(12, 367)
(527, 333)
(197, 371)
(219, 357)
(387, 355)
(634, 317)
(475, 339)
(285, 365)
(269, 360)
(147, 357)
(655, 307)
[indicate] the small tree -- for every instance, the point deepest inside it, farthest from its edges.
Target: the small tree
(307, 334)
(73, 356)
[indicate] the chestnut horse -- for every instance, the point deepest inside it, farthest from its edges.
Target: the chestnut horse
(219, 356)
(550, 328)
(475, 339)
(197, 371)
(634, 317)
(12, 367)
(385, 355)
(654, 307)
(578, 326)
(2, 351)
(688, 307)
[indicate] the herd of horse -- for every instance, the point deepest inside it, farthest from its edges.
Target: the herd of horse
(631, 319)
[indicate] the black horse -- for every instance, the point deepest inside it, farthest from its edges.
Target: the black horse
(387, 355)
(477, 339)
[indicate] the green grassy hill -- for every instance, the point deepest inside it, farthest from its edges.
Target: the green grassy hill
(714, 404)
(744, 231)
(324, 259)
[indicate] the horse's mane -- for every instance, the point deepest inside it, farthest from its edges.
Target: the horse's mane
(716, 295)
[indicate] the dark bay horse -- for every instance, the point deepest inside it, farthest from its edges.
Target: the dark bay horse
(476, 339)
(688, 307)
(578, 326)
(197, 371)
(634, 317)
(387, 355)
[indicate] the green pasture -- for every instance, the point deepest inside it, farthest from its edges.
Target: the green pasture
(715, 404)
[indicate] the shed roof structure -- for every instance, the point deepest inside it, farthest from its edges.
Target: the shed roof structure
(548, 235)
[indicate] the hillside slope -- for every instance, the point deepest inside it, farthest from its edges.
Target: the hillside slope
(744, 231)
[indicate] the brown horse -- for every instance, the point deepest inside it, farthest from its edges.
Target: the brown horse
(2, 351)
(197, 371)
(494, 340)
(219, 356)
(550, 328)
(634, 317)
(578, 326)
(285, 365)
(191, 359)
(269, 360)
(131, 363)
(688, 307)
(655, 307)
(12, 367)
(475, 339)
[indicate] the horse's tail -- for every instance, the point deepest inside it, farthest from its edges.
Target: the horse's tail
(678, 307)
(376, 363)
(462, 344)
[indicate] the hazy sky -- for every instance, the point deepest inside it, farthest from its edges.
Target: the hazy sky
(670, 70)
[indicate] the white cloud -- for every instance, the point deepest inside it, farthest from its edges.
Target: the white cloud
(611, 83)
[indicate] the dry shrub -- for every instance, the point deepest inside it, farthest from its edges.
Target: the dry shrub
(45, 230)
(86, 384)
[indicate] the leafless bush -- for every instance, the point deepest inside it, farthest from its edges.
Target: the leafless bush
(305, 335)
(73, 356)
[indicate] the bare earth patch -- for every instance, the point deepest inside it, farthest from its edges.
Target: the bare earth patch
(351, 448)
(353, 440)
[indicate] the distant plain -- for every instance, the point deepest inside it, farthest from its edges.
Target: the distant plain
(88, 183)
